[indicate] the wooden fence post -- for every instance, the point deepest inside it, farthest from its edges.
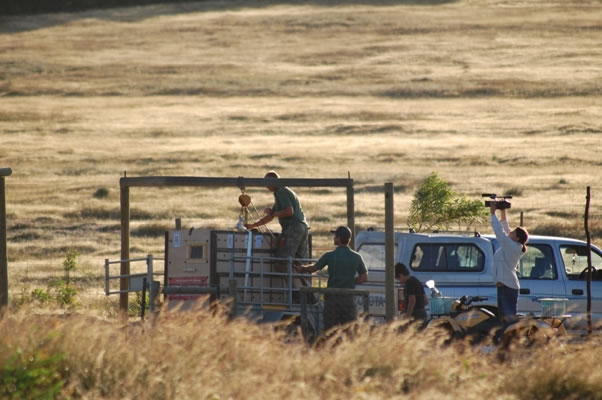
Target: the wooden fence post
(124, 284)
(589, 263)
(3, 248)
(351, 213)
(389, 253)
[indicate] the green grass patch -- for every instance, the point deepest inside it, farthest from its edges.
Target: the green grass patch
(32, 375)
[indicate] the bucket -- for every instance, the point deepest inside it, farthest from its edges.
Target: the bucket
(441, 305)
(553, 307)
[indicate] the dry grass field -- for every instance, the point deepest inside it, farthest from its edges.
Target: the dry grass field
(495, 95)
(203, 356)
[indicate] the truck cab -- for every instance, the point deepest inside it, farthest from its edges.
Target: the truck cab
(462, 264)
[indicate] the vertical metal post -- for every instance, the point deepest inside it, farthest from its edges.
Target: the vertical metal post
(143, 300)
(521, 219)
(589, 264)
(150, 283)
(248, 263)
(290, 281)
(3, 248)
(232, 287)
(389, 253)
(125, 249)
(107, 276)
(262, 284)
(351, 214)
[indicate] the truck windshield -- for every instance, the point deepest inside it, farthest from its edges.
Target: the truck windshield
(374, 255)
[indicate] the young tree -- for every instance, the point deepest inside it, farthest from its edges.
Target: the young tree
(437, 206)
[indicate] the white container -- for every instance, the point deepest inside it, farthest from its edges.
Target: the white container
(553, 307)
(441, 305)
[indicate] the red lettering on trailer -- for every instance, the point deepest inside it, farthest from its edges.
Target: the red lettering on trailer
(201, 281)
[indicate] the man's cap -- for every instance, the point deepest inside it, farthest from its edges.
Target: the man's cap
(343, 232)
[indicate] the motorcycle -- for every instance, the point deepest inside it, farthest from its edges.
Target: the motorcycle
(469, 320)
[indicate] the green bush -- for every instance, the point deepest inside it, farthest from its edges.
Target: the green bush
(64, 293)
(135, 307)
(40, 295)
(32, 376)
(437, 206)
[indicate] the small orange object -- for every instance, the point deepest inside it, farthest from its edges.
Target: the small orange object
(244, 200)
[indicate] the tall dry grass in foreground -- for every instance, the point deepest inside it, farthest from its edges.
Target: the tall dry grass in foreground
(202, 355)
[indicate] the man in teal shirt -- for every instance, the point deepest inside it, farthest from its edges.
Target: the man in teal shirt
(292, 242)
(346, 268)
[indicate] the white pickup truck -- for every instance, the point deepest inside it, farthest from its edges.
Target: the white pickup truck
(463, 265)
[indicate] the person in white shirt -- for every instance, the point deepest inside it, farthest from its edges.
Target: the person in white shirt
(506, 258)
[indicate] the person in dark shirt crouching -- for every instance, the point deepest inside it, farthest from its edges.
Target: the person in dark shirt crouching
(415, 299)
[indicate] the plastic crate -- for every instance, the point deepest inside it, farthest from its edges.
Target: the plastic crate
(553, 307)
(441, 305)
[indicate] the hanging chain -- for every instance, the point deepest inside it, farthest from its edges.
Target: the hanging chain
(245, 201)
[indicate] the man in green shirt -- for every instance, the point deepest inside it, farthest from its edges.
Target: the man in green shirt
(292, 242)
(346, 268)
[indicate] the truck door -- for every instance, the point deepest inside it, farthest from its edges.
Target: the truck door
(373, 254)
(574, 259)
(539, 277)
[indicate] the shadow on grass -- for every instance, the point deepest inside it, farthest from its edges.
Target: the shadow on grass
(40, 253)
(150, 230)
(18, 16)
(103, 213)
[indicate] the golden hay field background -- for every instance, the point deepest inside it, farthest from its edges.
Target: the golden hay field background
(495, 95)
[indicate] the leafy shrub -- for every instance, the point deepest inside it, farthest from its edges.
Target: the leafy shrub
(32, 376)
(40, 295)
(437, 206)
(64, 293)
(70, 263)
(135, 307)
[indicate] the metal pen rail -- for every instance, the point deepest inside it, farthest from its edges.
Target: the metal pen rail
(135, 282)
(262, 273)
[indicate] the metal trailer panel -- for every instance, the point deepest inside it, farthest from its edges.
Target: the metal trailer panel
(230, 250)
(187, 262)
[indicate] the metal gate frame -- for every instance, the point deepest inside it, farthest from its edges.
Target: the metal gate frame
(182, 181)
